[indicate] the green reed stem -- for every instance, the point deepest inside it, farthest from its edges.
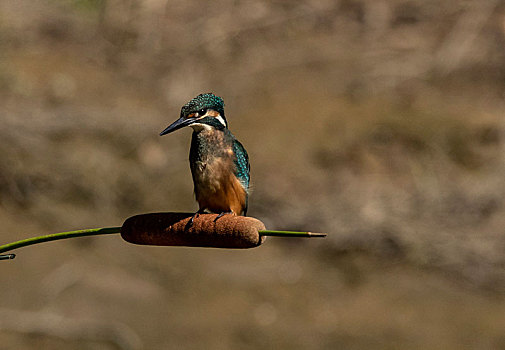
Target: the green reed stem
(290, 233)
(54, 237)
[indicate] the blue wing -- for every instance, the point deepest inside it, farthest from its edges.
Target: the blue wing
(241, 164)
(242, 168)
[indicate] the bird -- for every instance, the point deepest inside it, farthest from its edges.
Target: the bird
(219, 162)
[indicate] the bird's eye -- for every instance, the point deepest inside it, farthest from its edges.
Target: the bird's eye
(202, 112)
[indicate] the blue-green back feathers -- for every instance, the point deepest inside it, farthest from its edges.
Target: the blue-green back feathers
(242, 169)
(241, 164)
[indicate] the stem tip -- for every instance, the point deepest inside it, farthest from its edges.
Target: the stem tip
(7, 256)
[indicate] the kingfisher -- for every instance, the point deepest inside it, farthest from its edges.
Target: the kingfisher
(218, 161)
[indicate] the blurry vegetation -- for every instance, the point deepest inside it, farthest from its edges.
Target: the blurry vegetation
(379, 122)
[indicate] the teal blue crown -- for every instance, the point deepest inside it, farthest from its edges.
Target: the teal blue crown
(203, 101)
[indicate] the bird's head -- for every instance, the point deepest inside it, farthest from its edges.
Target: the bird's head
(205, 111)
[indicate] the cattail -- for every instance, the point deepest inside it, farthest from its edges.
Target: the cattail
(173, 229)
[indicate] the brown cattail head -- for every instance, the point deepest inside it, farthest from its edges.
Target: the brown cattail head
(172, 229)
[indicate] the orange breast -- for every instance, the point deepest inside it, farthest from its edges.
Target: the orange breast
(230, 197)
(218, 190)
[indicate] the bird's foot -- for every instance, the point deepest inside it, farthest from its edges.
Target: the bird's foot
(223, 213)
(192, 219)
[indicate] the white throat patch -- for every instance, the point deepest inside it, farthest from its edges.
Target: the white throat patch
(199, 127)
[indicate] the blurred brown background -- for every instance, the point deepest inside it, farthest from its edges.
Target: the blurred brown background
(379, 122)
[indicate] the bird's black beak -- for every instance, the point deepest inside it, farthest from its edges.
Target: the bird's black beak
(179, 123)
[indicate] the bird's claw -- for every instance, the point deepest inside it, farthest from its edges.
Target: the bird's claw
(221, 214)
(192, 219)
